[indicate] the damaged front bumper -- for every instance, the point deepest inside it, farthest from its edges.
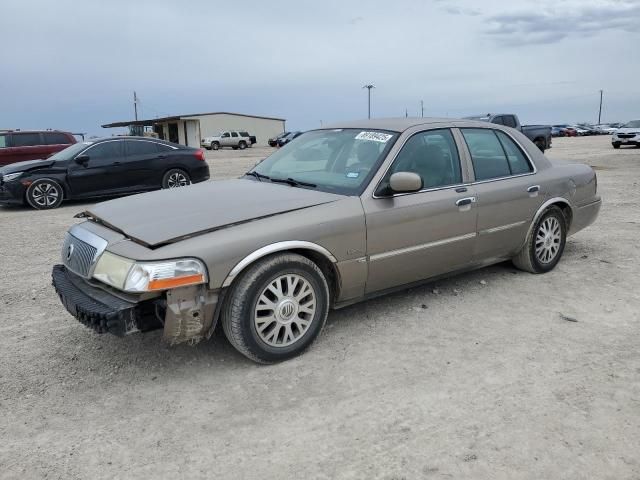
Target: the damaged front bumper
(187, 314)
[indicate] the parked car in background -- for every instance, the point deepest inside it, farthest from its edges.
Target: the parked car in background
(105, 167)
(627, 134)
(538, 134)
(607, 129)
(19, 145)
(341, 215)
(589, 129)
(230, 138)
(581, 132)
(273, 141)
(557, 131)
(287, 138)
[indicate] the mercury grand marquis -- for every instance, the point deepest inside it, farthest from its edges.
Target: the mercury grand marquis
(339, 215)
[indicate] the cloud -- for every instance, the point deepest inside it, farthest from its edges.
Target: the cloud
(551, 26)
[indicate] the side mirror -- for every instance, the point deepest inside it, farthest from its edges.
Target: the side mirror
(405, 182)
(82, 159)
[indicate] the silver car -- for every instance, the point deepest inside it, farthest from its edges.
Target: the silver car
(340, 215)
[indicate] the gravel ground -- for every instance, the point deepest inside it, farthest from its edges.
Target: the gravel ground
(495, 374)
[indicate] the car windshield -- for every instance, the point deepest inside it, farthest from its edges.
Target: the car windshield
(70, 152)
(632, 124)
(338, 161)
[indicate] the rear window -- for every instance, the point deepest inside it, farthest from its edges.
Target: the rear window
(56, 138)
(25, 139)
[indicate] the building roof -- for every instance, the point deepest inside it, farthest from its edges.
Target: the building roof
(152, 121)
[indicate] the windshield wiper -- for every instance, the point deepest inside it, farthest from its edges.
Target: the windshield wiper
(293, 182)
(259, 176)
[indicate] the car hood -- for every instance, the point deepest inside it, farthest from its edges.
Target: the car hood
(25, 166)
(166, 216)
(628, 130)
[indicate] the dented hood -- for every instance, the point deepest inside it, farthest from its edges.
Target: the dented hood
(166, 216)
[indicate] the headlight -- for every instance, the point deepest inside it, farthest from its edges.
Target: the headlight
(11, 176)
(131, 276)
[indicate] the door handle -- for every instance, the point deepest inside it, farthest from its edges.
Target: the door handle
(465, 201)
(533, 188)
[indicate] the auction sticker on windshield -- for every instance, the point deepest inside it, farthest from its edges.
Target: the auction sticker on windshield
(374, 136)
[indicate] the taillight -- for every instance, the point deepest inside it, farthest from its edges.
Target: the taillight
(199, 154)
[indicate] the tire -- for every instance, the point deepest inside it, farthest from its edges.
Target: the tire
(540, 144)
(616, 145)
(215, 146)
(246, 317)
(242, 145)
(44, 194)
(551, 246)
(175, 178)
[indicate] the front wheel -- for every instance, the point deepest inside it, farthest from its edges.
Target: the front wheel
(277, 308)
(45, 194)
(545, 244)
(616, 145)
(215, 146)
(175, 178)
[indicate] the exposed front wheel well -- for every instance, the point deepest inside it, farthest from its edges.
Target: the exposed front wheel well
(328, 268)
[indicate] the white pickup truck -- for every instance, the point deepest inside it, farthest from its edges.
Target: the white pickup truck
(231, 138)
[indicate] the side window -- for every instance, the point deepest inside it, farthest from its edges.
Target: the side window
(487, 155)
(105, 151)
(140, 147)
(244, 134)
(225, 135)
(498, 120)
(56, 138)
(4, 141)
(26, 139)
(509, 121)
(234, 134)
(432, 155)
(517, 161)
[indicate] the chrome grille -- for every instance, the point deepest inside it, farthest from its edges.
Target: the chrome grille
(78, 256)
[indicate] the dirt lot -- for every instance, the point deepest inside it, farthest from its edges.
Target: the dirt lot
(495, 374)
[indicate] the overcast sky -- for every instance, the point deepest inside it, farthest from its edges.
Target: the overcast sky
(74, 64)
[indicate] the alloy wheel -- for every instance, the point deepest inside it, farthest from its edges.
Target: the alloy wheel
(548, 240)
(176, 180)
(284, 310)
(45, 194)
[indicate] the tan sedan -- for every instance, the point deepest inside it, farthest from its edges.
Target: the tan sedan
(339, 215)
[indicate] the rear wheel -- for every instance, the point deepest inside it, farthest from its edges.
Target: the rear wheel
(242, 145)
(545, 244)
(175, 178)
(540, 144)
(45, 194)
(277, 308)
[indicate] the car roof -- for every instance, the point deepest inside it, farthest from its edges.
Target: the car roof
(132, 137)
(404, 123)
(35, 131)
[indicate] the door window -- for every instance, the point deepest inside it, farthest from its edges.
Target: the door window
(517, 161)
(498, 120)
(26, 139)
(56, 138)
(432, 155)
(225, 135)
(105, 151)
(509, 121)
(487, 154)
(3, 141)
(234, 134)
(140, 147)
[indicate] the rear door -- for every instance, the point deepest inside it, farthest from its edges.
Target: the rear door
(142, 165)
(414, 236)
(101, 174)
(507, 192)
(27, 146)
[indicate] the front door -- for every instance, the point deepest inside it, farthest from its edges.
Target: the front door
(100, 173)
(414, 236)
(507, 192)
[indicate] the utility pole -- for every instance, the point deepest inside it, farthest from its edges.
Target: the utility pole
(369, 87)
(406, 113)
(422, 107)
(600, 111)
(135, 105)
